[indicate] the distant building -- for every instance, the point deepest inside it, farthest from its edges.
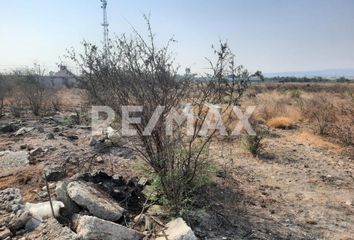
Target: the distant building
(62, 78)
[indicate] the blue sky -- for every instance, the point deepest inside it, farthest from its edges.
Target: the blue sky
(269, 35)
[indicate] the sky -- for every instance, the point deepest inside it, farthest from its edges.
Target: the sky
(266, 35)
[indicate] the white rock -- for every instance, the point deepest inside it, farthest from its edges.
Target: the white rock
(43, 209)
(23, 130)
(92, 228)
(177, 230)
(94, 201)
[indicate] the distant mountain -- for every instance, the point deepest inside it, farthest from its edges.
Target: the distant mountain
(328, 73)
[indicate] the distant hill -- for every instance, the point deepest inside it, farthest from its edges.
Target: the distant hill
(328, 73)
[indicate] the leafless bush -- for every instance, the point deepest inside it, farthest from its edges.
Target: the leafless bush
(3, 92)
(32, 88)
(320, 112)
(343, 129)
(138, 72)
(56, 102)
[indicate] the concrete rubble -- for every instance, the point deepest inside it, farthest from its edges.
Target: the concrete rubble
(94, 201)
(92, 228)
(177, 229)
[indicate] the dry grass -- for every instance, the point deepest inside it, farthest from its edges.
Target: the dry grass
(281, 122)
(27, 179)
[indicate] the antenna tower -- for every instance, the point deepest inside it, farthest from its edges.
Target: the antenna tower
(105, 26)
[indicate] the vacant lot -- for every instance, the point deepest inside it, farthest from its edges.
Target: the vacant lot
(299, 184)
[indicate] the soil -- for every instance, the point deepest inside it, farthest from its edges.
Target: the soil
(300, 187)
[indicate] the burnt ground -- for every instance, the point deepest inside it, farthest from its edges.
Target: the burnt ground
(300, 187)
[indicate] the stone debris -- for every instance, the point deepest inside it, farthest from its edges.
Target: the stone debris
(143, 181)
(54, 172)
(10, 199)
(49, 136)
(8, 128)
(35, 152)
(51, 229)
(9, 159)
(94, 201)
(23, 130)
(43, 209)
(177, 229)
(114, 136)
(62, 195)
(93, 228)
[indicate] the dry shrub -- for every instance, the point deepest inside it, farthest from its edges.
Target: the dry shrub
(270, 106)
(281, 122)
(56, 103)
(343, 129)
(139, 72)
(321, 113)
(275, 104)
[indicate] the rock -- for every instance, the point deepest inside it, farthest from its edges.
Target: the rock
(9, 159)
(62, 195)
(33, 223)
(20, 220)
(115, 137)
(52, 229)
(121, 152)
(35, 152)
(94, 201)
(8, 128)
(43, 194)
(72, 137)
(99, 159)
(43, 209)
(50, 185)
(4, 233)
(23, 146)
(9, 198)
(92, 142)
(143, 181)
(49, 136)
(177, 229)
(92, 228)
(23, 130)
(54, 173)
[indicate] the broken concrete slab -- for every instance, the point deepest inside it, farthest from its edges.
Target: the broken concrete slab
(94, 201)
(62, 195)
(177, 229)
(9, 159)
(92, 228)
(52, 229)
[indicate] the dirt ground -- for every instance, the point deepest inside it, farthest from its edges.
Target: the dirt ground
(300, 187)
